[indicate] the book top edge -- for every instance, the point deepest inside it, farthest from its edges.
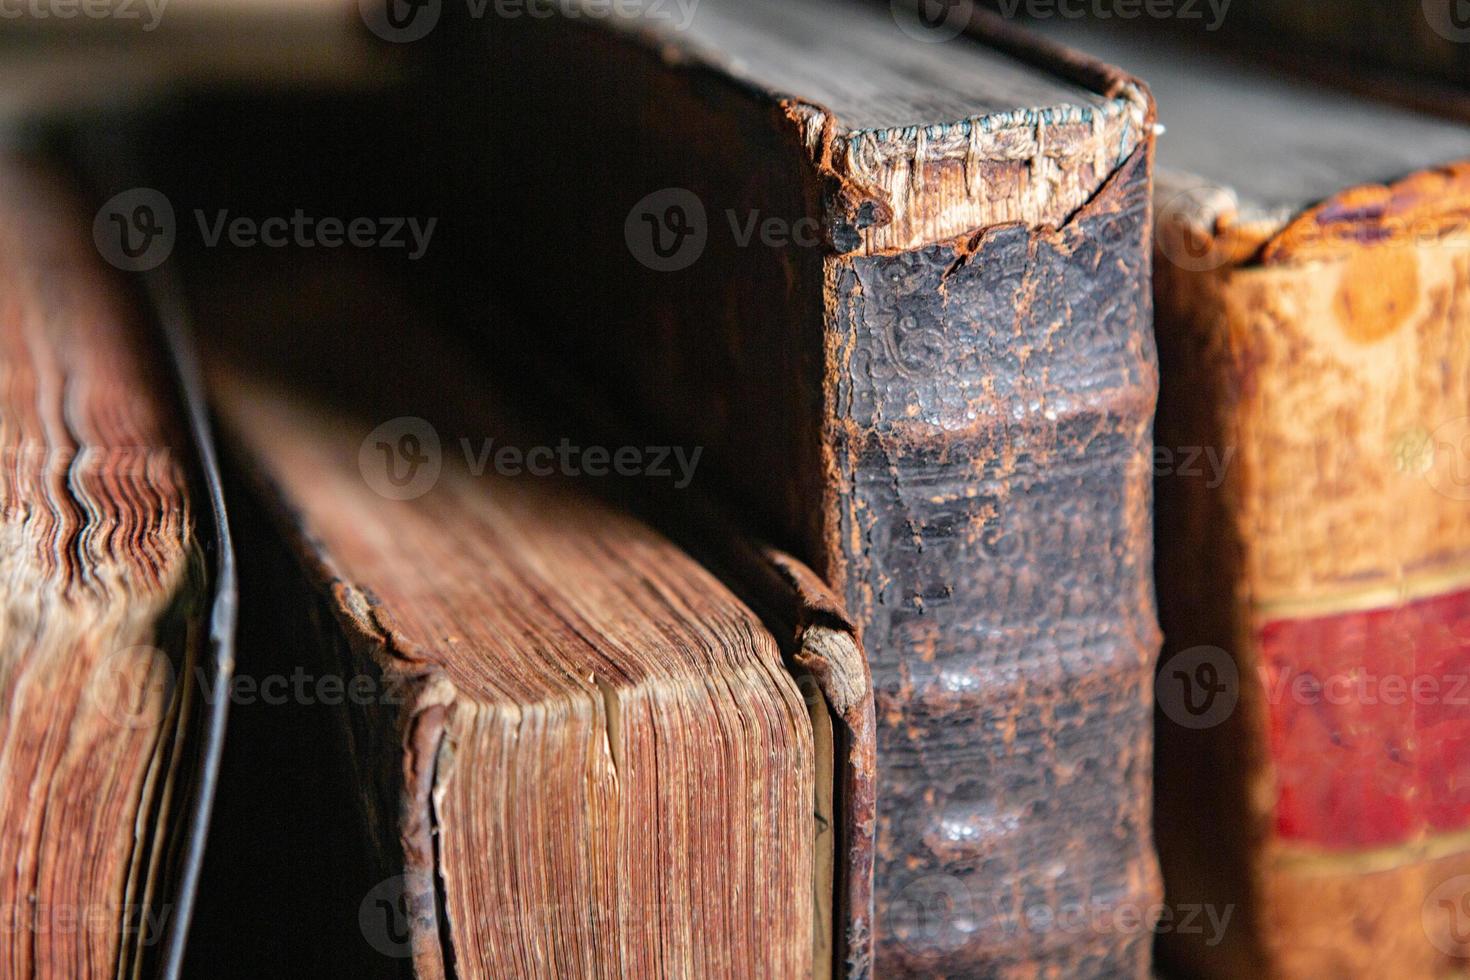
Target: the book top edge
(881, 73)
(1279, 144)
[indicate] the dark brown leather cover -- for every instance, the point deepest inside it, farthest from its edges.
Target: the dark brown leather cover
(955, 437)
(1003, 582)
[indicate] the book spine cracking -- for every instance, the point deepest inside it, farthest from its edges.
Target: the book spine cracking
(993, 407)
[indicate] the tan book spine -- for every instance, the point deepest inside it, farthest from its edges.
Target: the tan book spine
(1314, 764)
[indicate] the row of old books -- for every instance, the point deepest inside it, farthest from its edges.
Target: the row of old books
(698, 488)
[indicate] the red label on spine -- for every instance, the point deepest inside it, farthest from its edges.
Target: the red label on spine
(1369, 722)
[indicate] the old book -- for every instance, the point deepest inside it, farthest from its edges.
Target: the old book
(580, 753)
(1313, 299)
(898, 292)
(118, 598)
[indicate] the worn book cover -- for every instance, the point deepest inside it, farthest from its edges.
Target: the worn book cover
(1312, 281)
(579, 752)
(898, 291)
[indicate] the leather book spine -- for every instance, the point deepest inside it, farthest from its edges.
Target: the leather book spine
(992, 407)
(946, 418)
(1315, 688)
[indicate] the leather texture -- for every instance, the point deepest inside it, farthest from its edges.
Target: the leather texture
(994, 409)
(956, 437)
(1328, 357)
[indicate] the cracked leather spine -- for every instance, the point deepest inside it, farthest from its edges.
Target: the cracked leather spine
(990, 431)
(956, 437)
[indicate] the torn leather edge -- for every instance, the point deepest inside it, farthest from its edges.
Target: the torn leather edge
(1202, 226)
(855, 210)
